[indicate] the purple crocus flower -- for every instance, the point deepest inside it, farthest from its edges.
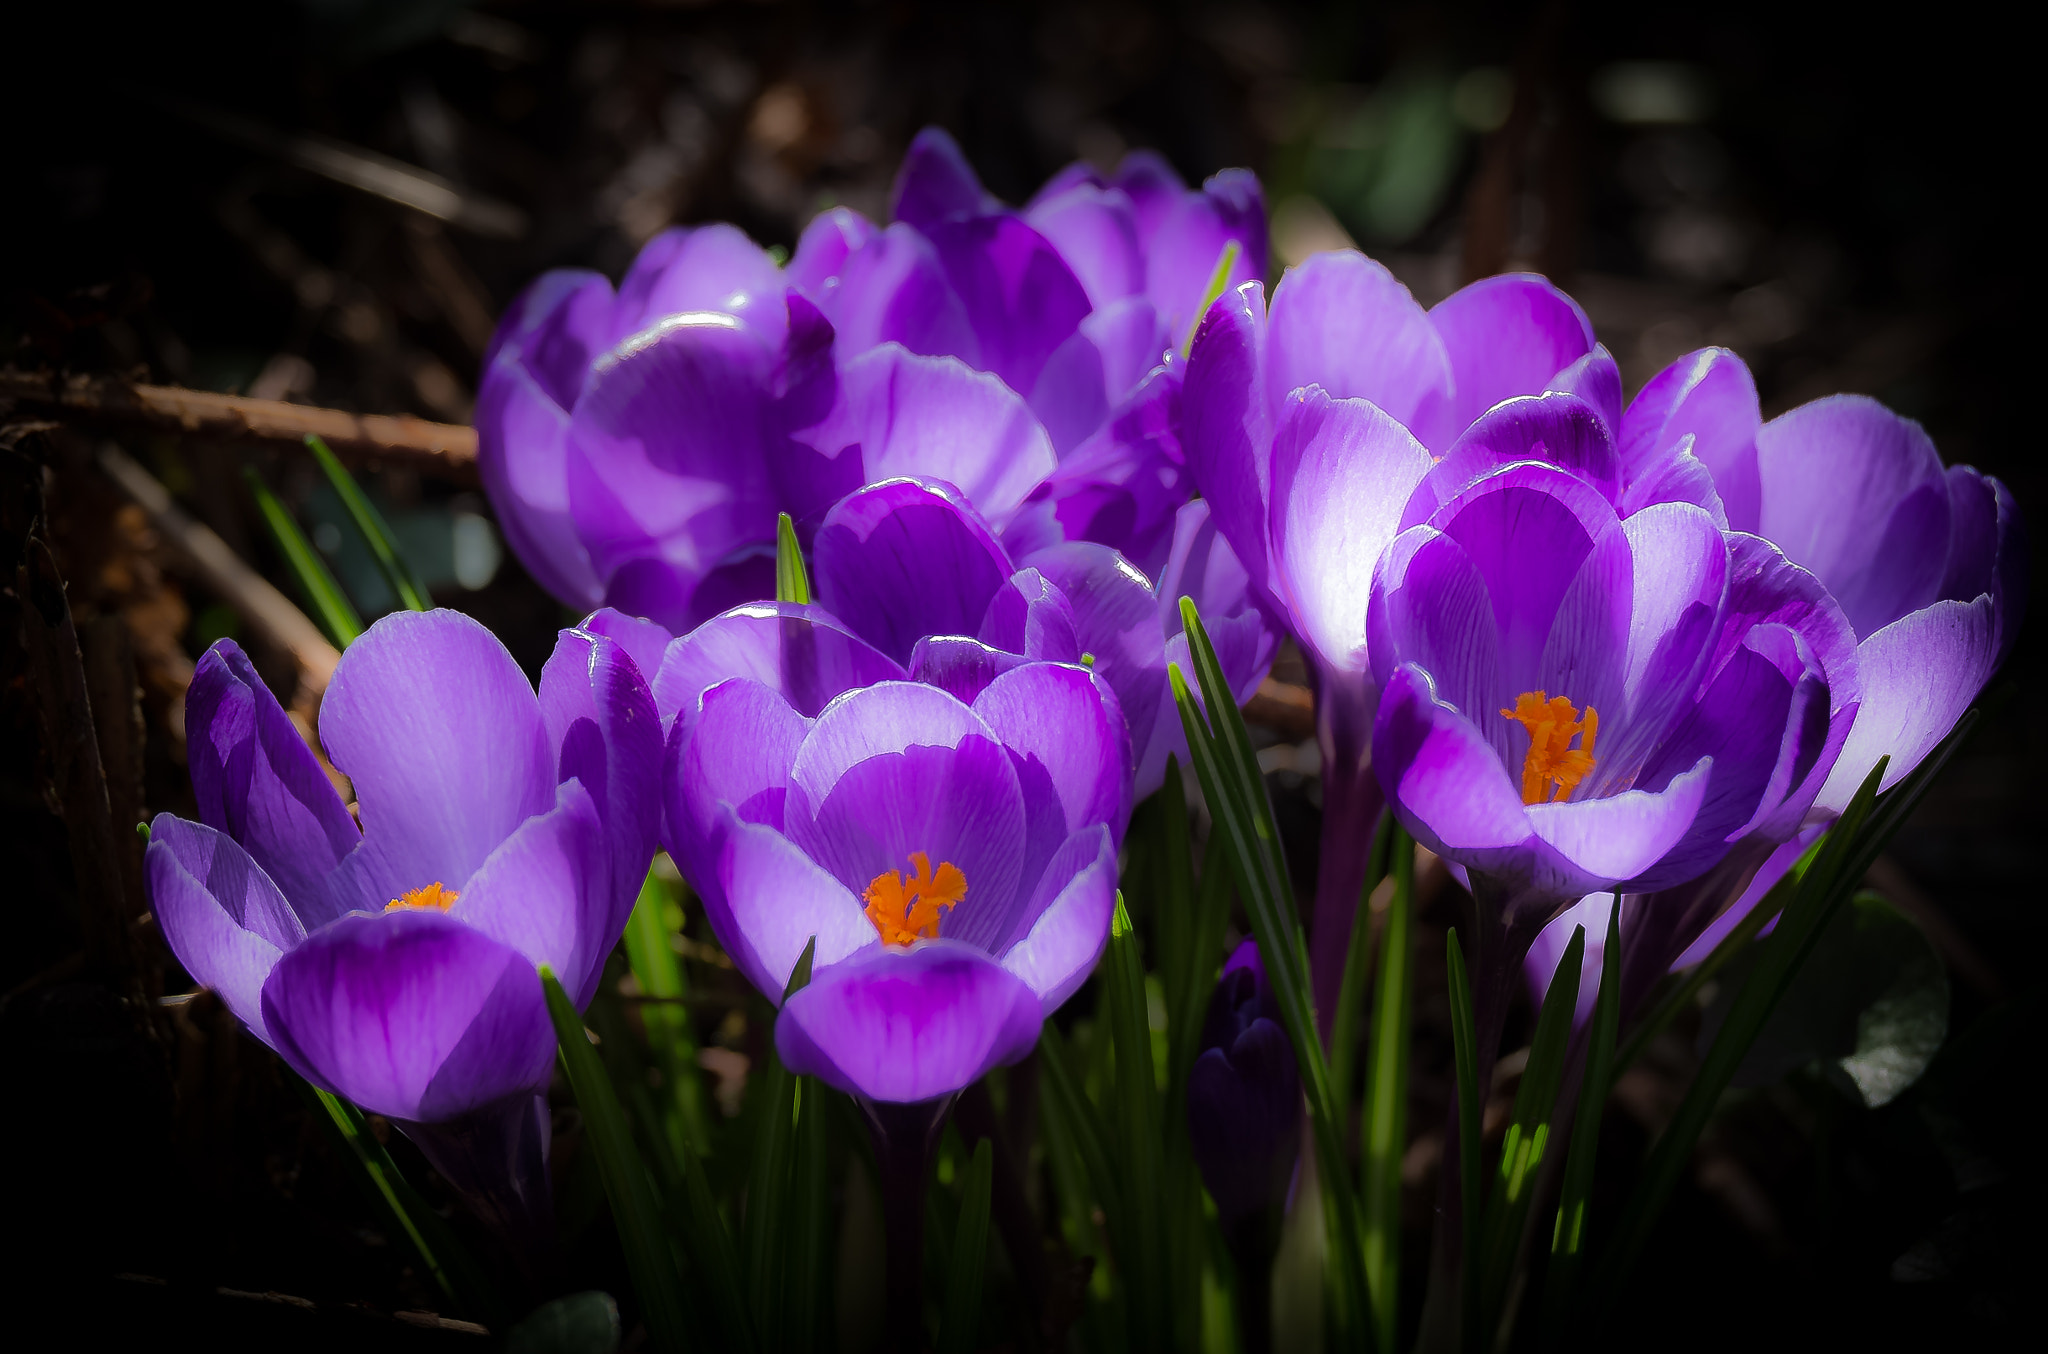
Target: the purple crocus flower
(1244, 1094)
(1307, 429)
(911, 567)
(1576, 702)
(394, 963)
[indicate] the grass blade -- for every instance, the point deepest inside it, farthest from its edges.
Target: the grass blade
(812, 1196)
(792, 583)
(1344, 1035)
(371, 526)
(648, 1258)
(1072, 1124)
(1384, 1131)
(962, 1315)
(331, 607)
(769, 1195)
(1143, 1258)
(1219, 278)
(659, 972)
(1528, 1135)
(1465, 1054)
(1568, 1238)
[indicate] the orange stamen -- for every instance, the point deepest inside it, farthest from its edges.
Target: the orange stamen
(1552, 722)
(907, 910)
(433, 895)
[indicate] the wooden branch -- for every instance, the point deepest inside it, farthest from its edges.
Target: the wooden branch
(269, 611)
(444, 449)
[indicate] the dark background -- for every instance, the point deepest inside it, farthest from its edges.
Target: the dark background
(1838, 193)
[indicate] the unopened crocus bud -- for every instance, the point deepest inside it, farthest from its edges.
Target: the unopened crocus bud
(1244, 1095)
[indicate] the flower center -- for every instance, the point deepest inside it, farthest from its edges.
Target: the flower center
(433, 895)
(1552, 722)
(905, 910)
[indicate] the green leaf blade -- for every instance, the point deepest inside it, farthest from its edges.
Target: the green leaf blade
(371, 526)
(962, 1312)
(1384, 1128)
(333, 611)
(792, 581)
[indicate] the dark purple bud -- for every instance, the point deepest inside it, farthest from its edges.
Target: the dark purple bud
(1244, 1094)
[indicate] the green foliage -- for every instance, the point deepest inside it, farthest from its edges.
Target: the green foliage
(333, 611)
(371, 526)
(792, 582)
(962, 1313)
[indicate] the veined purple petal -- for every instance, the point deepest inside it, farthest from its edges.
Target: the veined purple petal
(1560, 429)
(1120, 488)
(907, 1025)
(1444, 779)
(1182, 252)
(221, 914)
(1540, 966)
(547, 892)
(1596, 379)
(557, 364)
(1506, 336)
(935, 182)
(645, 642)
(1066, 925)
(822, 250)
(1603, 842)
(1096, 231)
(1227, 431)
(1429, 607)
(1341, 471)
(1343, 322)
(959, 666)
(713, 268)
(601, 720)
(435, 724)
(668, 450)
(1918, 675)
(412, 1015)
(256, 780)
(1022, 299)
(1116, 619)
(800, 652)
(1064, 719)
(766, 899)
(1030, 616)
(1709, 396)
(936, 418)
(893, 289)
(737, 753)
(1857, 494)
(903, 559)
(1677, 476)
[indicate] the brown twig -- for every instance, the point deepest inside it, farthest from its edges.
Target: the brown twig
(263, 606)
(1283, 706)
(446, 449)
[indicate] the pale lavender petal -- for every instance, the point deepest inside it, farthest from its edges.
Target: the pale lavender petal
(1559, 429)
(1068, 923)
(546, 891)
(432, 719)
(766, 899)
(800, 652)
(1063, 718)
(1918, 674)
(255, 779)
(1341, 471)
(1429, 607)
(1096, 232)
(1857, 494)
(713, 269)
(412, 1015)
(573, 305)
(1120, 488)
(1116, 621)
(1506, 336)
(220, 913)
(1079, 174)
(1603, 842)
(1444, 779)
(1227, 430)
(1677, 476)
(902, 1026)
(1022, 299)
(934, 417)
(935, 182)
(822, 251)
(1343, 322)
(1596, 379)
(602, 723)
(1098, 369)
(1539, 968)
(736, 757)
(904, 559)
(1132, 339)
(1710, 396)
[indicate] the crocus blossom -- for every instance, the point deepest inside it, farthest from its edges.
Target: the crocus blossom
(1244, 1095)
(1577, 702)
(955, 861)
(395, 963)
(1308, 428)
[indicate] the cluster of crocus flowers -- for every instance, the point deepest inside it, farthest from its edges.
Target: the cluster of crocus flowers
(388, 951)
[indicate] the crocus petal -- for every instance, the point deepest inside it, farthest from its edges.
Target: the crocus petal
(894, 290)
(1919, 674)
(1603, 842)
(822, 251)
(1857, 494)
(737, 755)
(1064, 719)
(1560, 429)
(1429, 607)
(800, 652)
(1182, 252)
(1030, 616)
(766, 899)
(936, 418)
(1444, 778)
(1676, 476)
(602, 722)
(1068, 920)
(1096, 232)
(1506, 336)
(1596, 379)
(1341, 470)
(1540, 966)
(713, 268)
(1116, 622)
(935, 181)
(431, 718)
(1022, 299)
(668, 449)
(1343, 322)
(224, 918)
(546, 892)
(959, 666)
(412, 1015)
(256, 780)
(645, 642)
(1153, 188)
(1227, 431)
(1121, 487)
(908, 1025)
(903, 559)
(1709, 396)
